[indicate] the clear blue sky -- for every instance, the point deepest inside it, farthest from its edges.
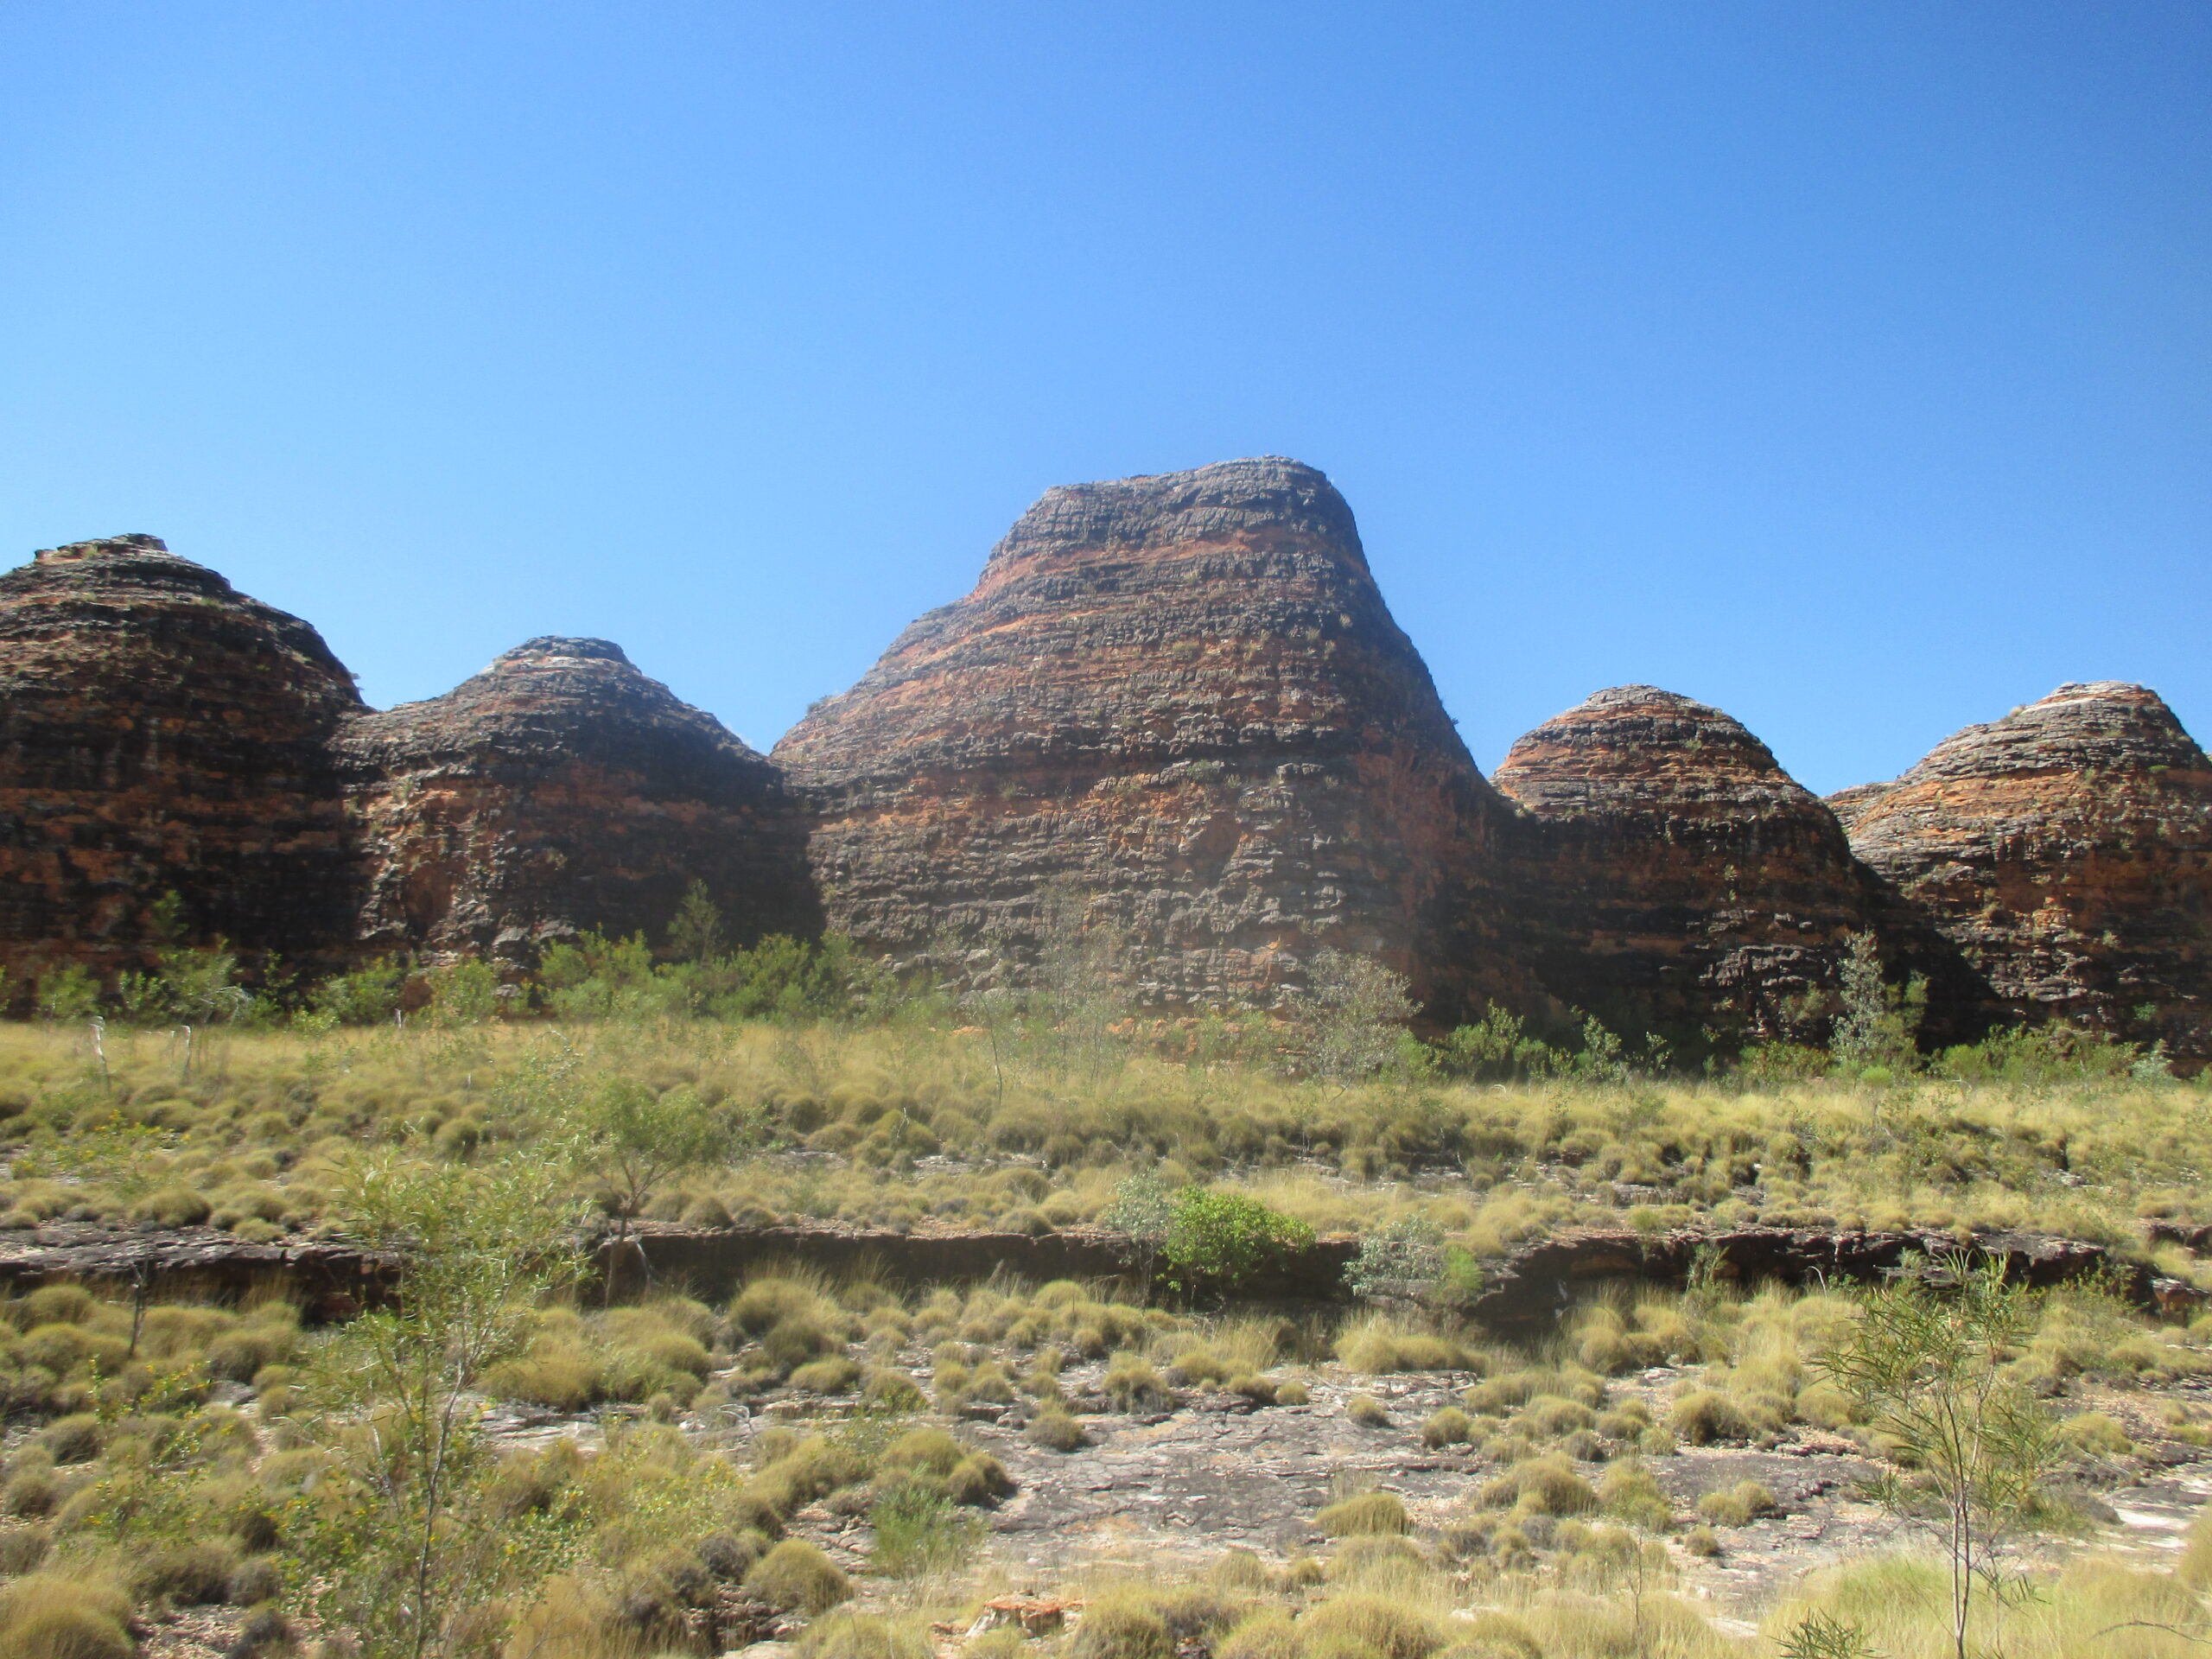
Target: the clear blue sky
(1845, 363)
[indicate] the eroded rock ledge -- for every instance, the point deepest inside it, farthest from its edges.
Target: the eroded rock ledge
(1524, 1292)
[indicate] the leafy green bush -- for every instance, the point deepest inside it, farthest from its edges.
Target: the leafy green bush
(1218, 1240)
(366, 996)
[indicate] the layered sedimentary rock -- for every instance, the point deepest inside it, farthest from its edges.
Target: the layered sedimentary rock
(1675, 877)
(2068, 849)
(1178, 703)
(561, 790)
(162, 732)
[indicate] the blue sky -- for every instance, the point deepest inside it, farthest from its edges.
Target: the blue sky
(1846, 365)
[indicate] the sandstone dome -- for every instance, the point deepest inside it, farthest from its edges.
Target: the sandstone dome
(2066, 848)
(558, 791)
(1182, 698)
(1677, 879)
(161, 731)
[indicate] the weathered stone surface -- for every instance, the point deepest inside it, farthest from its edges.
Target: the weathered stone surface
(2068, 849)
(1183, 696)
(559, 791)
(1675, 877)
(161, 731)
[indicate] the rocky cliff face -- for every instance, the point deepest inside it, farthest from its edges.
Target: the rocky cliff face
(1675, 877)
(1182, 699)
(161, 731)
(2068, 849)
(559, 791)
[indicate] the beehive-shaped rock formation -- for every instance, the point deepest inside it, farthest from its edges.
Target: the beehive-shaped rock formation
(559, 790)
(161, 731)
(1677, 879)
(2068, 849)
(1182, 699)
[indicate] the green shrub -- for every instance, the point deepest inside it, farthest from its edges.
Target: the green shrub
(366, 996)
(797, 1577)
(1291, 1394)
(1367, 1514)
(1218, 1241)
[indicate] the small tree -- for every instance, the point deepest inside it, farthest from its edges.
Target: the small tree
(395, 1542)
(1352, 1015)
(67, 995)
(696, 934)
(1926, 1363)
(464, 993)
(633, 1141)
(366, 996)
(1142, 1211)
(202, 988)
(1077, 995)
(1877, 1021)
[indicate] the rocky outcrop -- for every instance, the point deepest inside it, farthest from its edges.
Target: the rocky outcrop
(162, 732)
(1180, 702)
(559, 790)
(1675, 879)
(2066, 848)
